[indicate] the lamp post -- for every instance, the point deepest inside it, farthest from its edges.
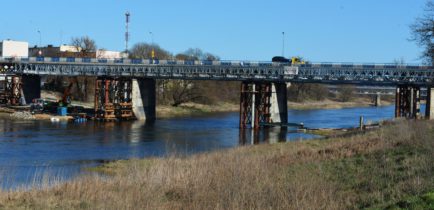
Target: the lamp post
(283, 44)
(152, 44)
(40, 43)
(127, 33)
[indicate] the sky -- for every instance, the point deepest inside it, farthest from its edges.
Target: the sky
(374, 31)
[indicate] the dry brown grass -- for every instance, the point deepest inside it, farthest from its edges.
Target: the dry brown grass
(194, 109)
(373, 169)
(332, 104)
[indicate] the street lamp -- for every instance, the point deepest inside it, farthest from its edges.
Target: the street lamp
(152, 37)
(283, 44)
(152, 44)
(40, 43)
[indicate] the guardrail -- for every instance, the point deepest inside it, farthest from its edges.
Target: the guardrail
(137, 61)
(206, 63)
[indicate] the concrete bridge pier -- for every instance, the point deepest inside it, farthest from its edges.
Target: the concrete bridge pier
(31, 87)
(144, 99)
(407, 102)
(262, 103)
(377, 100)
(429, 110)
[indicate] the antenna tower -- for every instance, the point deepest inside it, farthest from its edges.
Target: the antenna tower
(127, 34)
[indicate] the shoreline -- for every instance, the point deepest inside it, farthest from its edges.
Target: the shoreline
(334, 173)
(198, 110)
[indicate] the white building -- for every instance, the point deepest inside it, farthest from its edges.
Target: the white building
(15, 49)
(69, 48)
(109, 54)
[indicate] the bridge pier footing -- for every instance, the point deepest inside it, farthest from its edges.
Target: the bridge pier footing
(429, 110)
(262, 103)
(407, 102)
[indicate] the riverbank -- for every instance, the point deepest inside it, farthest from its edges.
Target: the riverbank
(330, 104)
(194, 109)
(379, 168)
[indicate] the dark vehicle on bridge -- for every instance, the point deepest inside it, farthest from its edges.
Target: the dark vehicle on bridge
(280, 59)
(292, 61)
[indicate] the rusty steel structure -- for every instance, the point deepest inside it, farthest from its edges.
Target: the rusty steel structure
(113, 99)
(407, 102)
(123, 99)
(255, 104)
(12, 91)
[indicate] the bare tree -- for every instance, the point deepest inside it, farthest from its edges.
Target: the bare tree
(183, 91)
(303, 92)
(196, 54)
(144, 51)
(399, 61)
(423, 32)
(84, 44)
(346, 93)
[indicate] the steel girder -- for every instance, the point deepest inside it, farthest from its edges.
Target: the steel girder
(273, 73)
(255, 104)
(407, 101)
(361, 75)
(331, 74)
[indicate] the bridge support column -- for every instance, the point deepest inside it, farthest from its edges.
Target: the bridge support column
(144, 99)
(429, 110)
(407, 102)
(262, 103)
(377, 100)
(105, 99)
(31, 87)
(279, 103)
(13, 90)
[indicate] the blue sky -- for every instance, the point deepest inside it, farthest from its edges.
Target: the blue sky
(318, 30)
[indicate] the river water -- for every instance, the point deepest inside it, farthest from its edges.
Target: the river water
(31, 149)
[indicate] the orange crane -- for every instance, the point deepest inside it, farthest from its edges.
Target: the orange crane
(66, 98)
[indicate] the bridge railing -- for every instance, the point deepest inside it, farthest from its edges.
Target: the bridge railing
(366, 65)
(139, 61)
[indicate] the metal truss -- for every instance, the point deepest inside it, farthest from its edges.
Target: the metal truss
(272, 73)
(386, 75)
(365, 74)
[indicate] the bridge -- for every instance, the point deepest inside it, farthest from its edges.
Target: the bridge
(263, 89)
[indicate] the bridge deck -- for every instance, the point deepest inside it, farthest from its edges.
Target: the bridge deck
(331, 73)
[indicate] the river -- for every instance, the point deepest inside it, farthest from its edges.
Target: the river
(30, 150)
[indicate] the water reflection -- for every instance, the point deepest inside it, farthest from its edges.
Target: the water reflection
(265, 135)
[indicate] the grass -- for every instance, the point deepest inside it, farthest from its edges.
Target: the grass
(332, 104)
(423, 202)
(388, 168)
